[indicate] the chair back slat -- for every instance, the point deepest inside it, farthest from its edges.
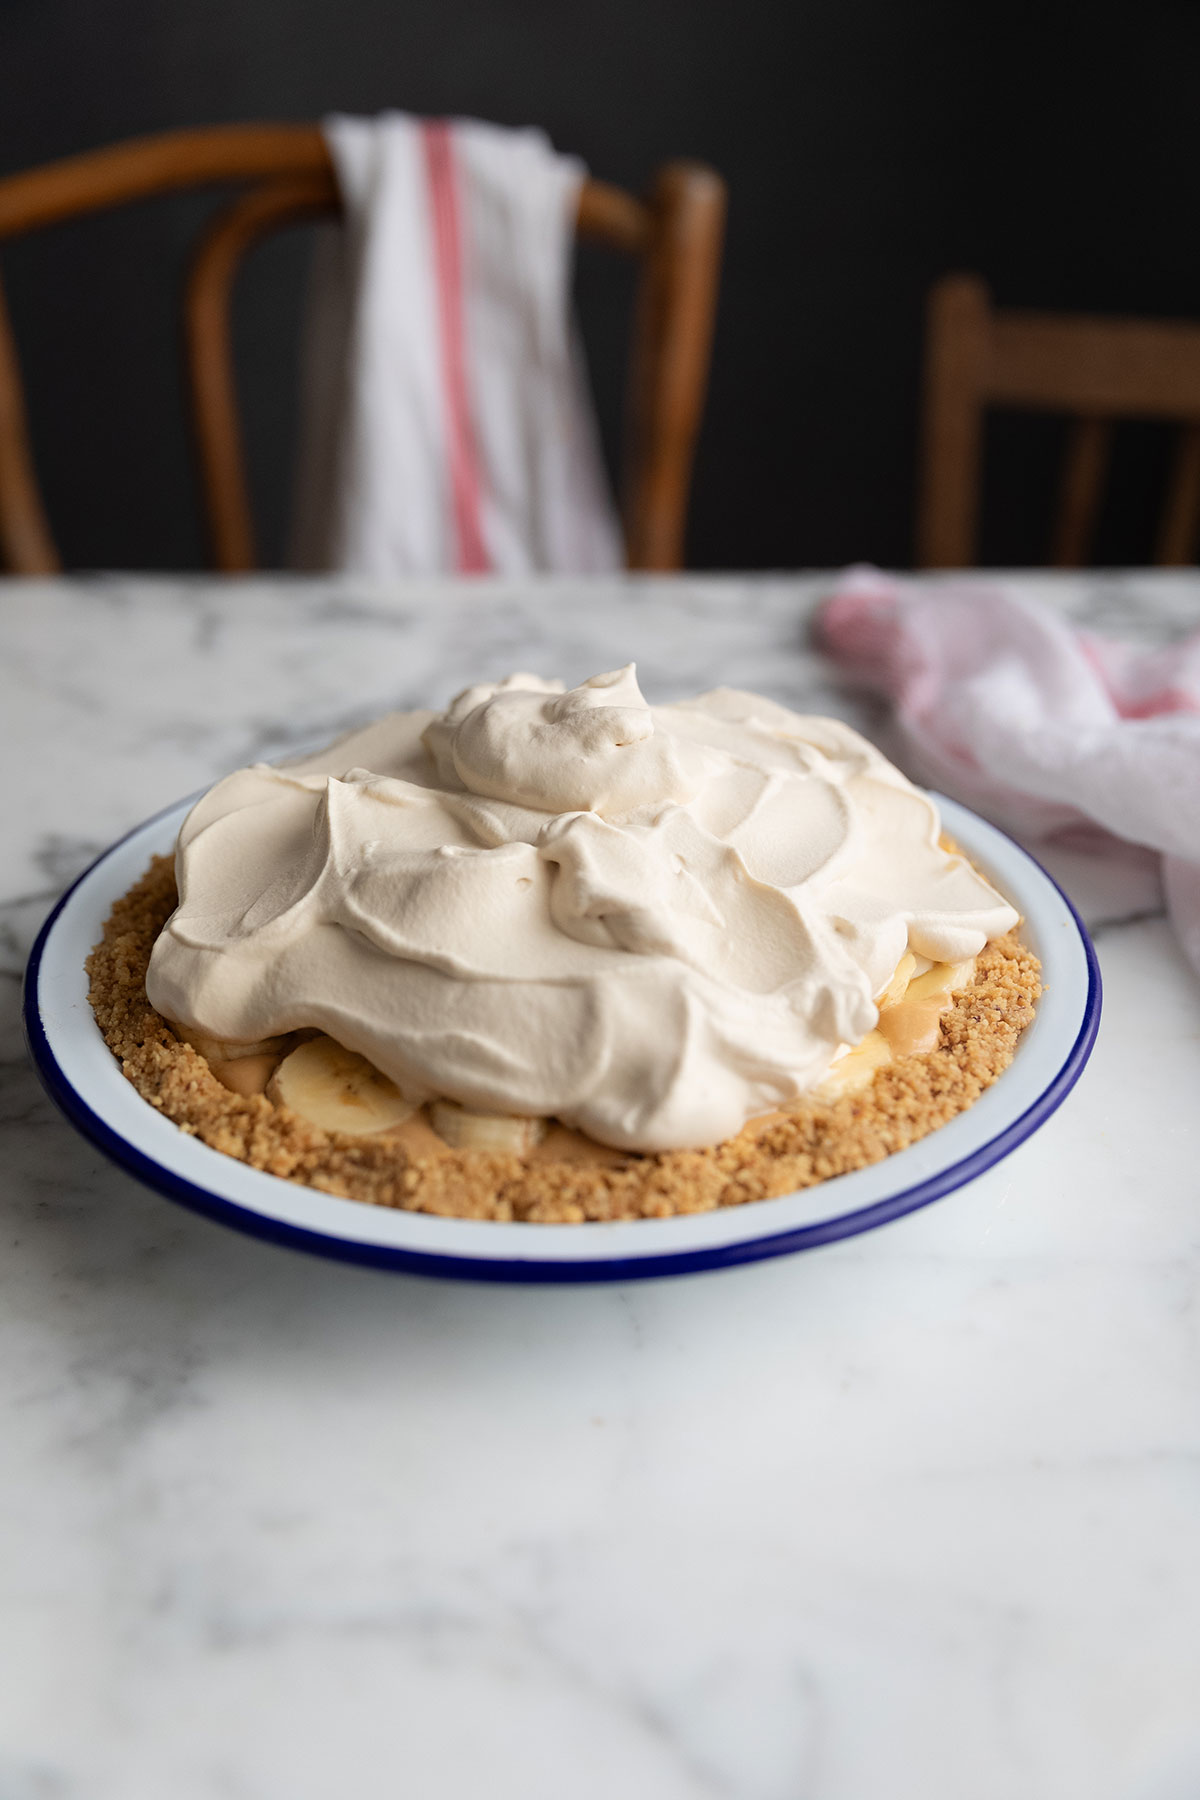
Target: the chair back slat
(1125, 368)
(1180, 527)
(1089, 452)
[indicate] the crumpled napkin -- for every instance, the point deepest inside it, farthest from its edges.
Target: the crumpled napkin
(1042, 727)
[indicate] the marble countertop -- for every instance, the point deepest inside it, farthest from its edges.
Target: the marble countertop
(916, 1515)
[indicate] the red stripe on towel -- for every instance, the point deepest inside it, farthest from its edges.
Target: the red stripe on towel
(462, 454)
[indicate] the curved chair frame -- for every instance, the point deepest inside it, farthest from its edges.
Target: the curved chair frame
(676, 231)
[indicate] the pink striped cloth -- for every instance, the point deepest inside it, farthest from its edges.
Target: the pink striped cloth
(1044, 728)
(446, 423)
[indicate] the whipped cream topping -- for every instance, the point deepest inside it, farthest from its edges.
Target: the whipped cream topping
(653, 922)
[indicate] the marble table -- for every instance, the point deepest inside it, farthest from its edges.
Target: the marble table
(916, 1516)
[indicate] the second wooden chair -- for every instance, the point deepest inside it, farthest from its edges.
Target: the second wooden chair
(1095, 370)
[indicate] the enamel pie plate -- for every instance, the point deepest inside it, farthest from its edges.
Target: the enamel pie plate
(83, 1077)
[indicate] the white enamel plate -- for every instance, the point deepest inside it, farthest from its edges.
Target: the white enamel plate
(83, 1077)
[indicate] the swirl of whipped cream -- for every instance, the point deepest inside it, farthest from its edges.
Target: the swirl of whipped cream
(594, 749)
(653, 923)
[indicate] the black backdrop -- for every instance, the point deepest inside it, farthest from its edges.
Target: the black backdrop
(869, 145)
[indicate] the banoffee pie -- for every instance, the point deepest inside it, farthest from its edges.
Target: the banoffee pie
(558, 955)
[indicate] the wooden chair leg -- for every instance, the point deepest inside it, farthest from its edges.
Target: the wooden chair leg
(26, 546)
(1089, 451)
(669, 361)
(957, 345)
(1177, 538)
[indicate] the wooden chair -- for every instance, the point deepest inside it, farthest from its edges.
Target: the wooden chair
(1096, 370)
(676, 231)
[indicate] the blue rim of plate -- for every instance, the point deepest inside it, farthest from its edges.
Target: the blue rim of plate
(176, 1187)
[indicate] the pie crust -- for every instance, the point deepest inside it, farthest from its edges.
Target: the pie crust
(806, 1143)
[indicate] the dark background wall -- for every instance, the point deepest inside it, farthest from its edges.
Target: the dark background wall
(869, 145)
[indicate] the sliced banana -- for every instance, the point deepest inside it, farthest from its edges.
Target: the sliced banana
(245, 1075)
(906, 968)
(855, 1068)
(502, 1132)
(942, 978)
(227, 1050)
(338, 1090)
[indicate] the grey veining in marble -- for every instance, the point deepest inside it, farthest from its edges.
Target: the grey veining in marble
(914, 1516)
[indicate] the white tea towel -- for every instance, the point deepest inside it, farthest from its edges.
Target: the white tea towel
(1040, 726)
(446, 421)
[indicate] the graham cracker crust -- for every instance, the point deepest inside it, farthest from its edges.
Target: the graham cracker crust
(805, 1144)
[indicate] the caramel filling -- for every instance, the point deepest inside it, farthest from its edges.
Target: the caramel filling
(910, 1011)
